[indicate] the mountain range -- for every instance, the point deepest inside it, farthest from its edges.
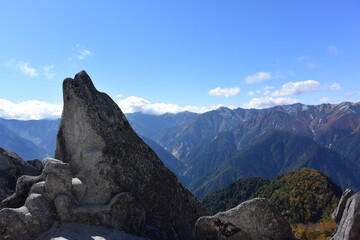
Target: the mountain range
(29, 139)
(220, 146)
(211, 150)
(274, 153)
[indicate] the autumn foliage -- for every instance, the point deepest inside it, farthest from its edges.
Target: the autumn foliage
(314, 231)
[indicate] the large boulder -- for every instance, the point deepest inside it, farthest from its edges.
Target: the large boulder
(11, 168)
(108, 158)
(256, 219)
(347, 215)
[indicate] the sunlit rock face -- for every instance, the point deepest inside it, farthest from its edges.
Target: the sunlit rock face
(108, 157)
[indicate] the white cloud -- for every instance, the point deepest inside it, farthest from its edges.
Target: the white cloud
(135, 104)
(225, 92)
(335, 87)
(118, 96)
(258, 77)
(27, 110)
(296, 88)
(333, 50)
(267, 102)
(82, 52)
(325, 100)
(48, 68)
(264, 90)
(27, 70)
(47, 71)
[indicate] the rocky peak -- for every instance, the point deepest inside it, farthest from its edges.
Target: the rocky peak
(103, 174)
(106, 154)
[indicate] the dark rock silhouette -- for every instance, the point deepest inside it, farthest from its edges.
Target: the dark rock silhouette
(11, 168)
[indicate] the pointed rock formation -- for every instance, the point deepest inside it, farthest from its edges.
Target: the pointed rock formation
(256, 219)
(108, 158)
(104, 175)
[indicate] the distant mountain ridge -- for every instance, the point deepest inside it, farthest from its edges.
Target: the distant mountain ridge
(11, 140)
(324, 123)
(332, 126)
(151, 125)
(34, 138)
(168, 159)
(206, 143)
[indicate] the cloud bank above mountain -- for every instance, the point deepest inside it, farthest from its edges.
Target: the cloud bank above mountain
(267, 102)
(29, 110)
(264, 97)
(136, 104)
(35, 110)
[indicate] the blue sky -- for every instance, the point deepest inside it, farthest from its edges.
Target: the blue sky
(170, 56)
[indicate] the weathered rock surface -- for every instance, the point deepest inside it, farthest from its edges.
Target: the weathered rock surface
(348, 211)
(11, 168)
(109, 158)
(104, 175)
(256, 219)
(31, 210)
